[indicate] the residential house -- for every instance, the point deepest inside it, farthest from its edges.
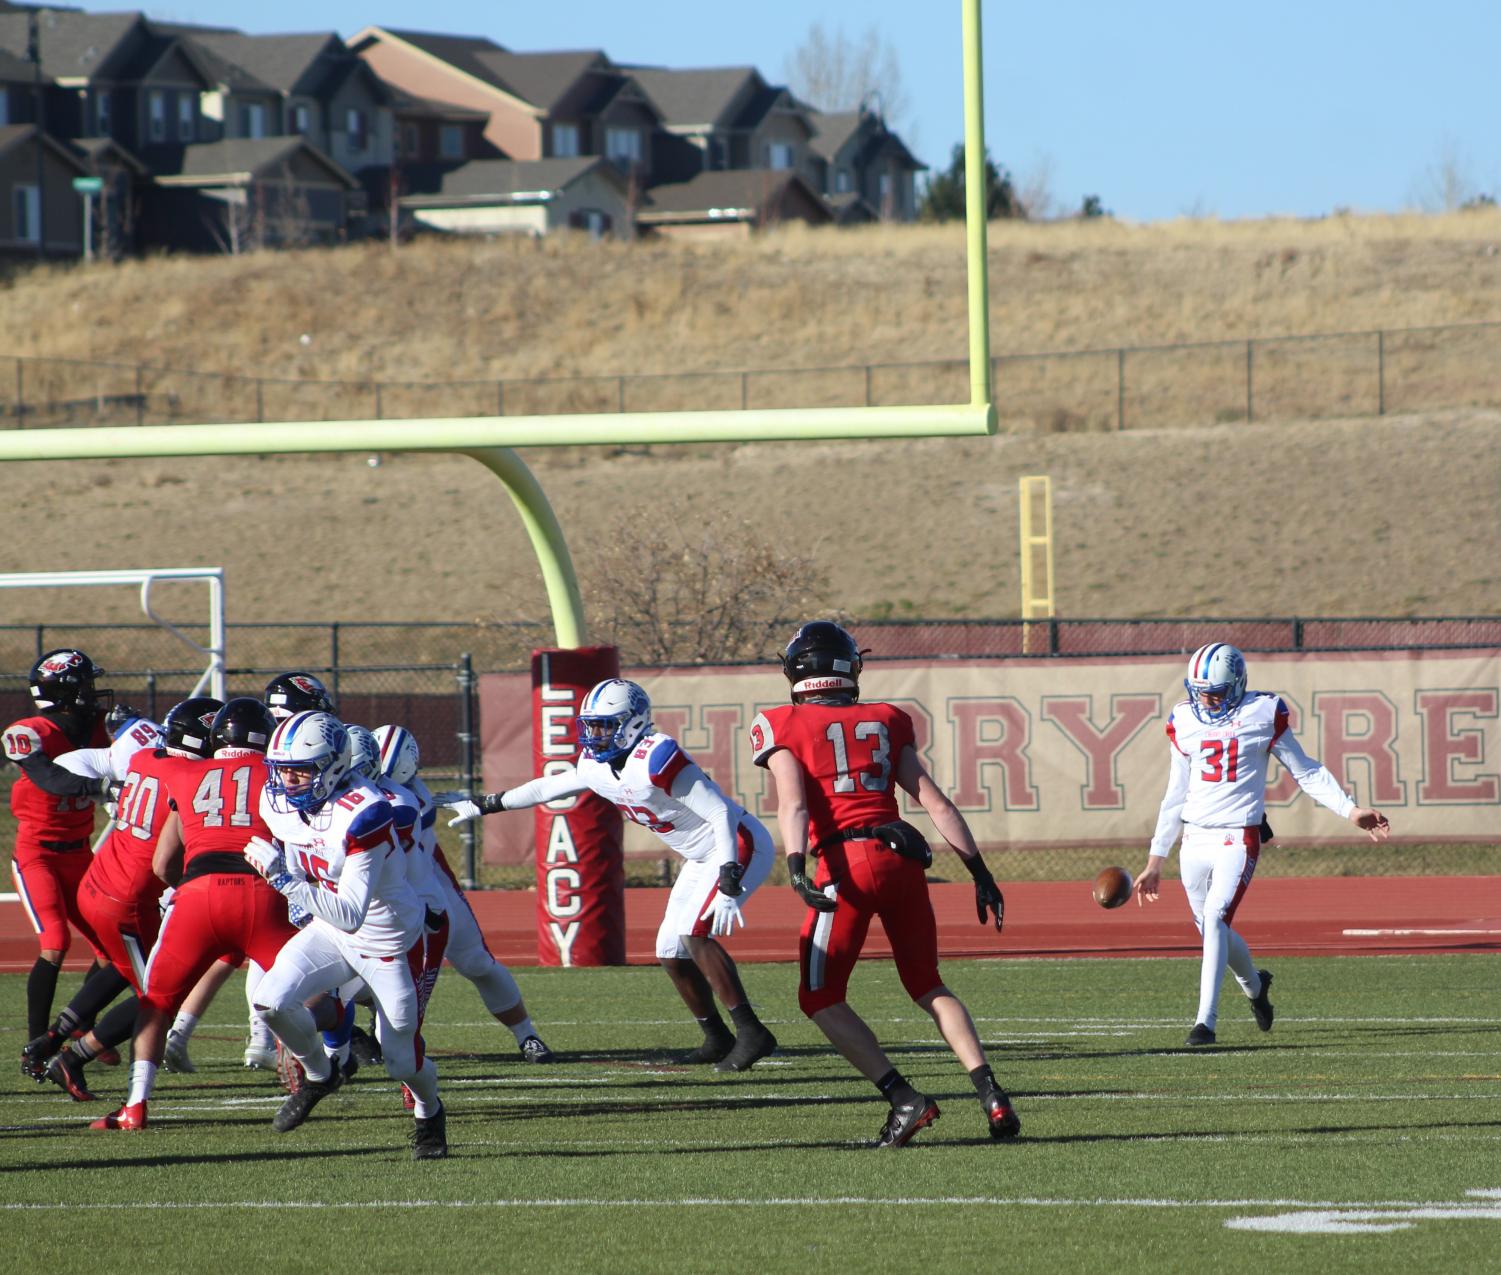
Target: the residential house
(536, 197)
(720, 118)
(117, 207)
(41, 214)
(863, 168)
(539, 105)
(731, 204)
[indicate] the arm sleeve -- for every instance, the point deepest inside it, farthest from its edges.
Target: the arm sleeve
(47, 775)
(1313, 778)
(544, 788)
(702, 796)
(346, 909)
(1170, 813)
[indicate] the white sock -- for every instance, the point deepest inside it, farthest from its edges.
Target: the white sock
(1212, 972)
(523, 1029)
(142, 1080)
(424, 1087)
(183, 1025)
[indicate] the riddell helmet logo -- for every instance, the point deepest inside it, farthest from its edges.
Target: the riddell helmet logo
(824, 684)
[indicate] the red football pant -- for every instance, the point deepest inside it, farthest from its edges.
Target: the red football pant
(48, 885)
(124, 932)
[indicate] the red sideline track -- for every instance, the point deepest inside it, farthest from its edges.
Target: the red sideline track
(1281, 916)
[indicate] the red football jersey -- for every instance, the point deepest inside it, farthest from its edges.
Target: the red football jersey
(848, 753)
(122, 868)
(219, 803)
(41, 815)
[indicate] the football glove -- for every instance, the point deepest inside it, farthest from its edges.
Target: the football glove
(724, 911)
(797, 878)
(267, 859)
(299, 916)
(900, 837)
(988, 895)
(467, 807)
(729, 879)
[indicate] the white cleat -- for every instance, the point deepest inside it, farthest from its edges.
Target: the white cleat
(261, 1057)
(175, 1056)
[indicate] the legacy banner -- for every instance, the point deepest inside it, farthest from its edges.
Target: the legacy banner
(1073, 751)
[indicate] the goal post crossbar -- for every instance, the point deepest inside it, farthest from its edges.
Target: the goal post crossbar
(212, 676)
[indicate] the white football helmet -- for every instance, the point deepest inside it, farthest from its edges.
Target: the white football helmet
(613, 716)
(364, 752)
(399, 757)
(308, 758)
(1216, 669)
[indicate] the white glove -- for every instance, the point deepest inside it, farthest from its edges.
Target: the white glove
(725, 911)
(265, 857)
(464, 809)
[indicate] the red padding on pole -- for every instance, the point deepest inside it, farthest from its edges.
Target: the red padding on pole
(580, 871)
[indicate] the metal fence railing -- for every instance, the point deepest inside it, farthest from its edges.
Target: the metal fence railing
(1322, 374)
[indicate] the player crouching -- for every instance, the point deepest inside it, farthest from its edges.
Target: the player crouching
(335, 855)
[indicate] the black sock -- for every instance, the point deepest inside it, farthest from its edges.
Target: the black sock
(744, 1017)
(82, 1049)
(117, 1026)
(982, 1078)
(713, 1025)
(895, 1089)
(40, 986)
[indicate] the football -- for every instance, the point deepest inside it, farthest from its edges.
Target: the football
(1112, 887)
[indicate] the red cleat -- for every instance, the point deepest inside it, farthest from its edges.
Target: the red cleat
(131, 1116)
(108, 1057)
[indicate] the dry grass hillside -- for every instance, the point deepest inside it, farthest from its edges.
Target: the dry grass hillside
(1354, 515)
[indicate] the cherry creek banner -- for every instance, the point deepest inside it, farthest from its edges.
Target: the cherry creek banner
(1072, 752)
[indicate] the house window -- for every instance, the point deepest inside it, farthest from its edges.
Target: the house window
(841, 181)
(302, 118)
(623, 145)
(354, 124)
(883, 184)
(252, 119)
(156, 108)
(4, 107)
(592, 220)
(185, 122)
(101, 112)
(411, 140)
(780, 155)
(451, 141)
(715, 150)
(26, 213)
(565, 140)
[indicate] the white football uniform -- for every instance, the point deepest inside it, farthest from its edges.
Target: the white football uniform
(660, 787)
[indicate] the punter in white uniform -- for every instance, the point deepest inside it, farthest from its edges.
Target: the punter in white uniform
(466, 951)
(1222, 740)
(336, 856)
(728, 854)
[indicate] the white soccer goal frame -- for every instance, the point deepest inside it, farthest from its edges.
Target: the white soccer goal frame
(145, 577)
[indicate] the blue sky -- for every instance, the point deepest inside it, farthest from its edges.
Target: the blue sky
(1161, 109)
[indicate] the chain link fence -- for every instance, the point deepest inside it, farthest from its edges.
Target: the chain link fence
(1123, 387)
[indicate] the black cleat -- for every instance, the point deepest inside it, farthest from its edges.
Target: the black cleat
(1201, 1035)
(904, 1122)
(999, 1114)
(749, 1046)
(36, 1053)
(299, 1106)
(1260, 1005)
(66, 1072)
(364, 1048)
(534, 1051)
(716, 1045)
(430, 1137)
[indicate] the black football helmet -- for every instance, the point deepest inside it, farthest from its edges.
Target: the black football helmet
(287, 694)
(823, 662)
(242, 723)
(64, 679)
(187, 725)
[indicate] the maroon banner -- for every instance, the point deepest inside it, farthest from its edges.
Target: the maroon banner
(580, 871)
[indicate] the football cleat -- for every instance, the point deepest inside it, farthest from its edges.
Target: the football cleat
(66, 1072)
(1200, 1035)
(260, 1056)
(108, 1058)
(905, 1121)
(716, 1045)
(1260, 1005)
(999, 1114)
(430, 1137)
(131, 1116)
(175, 1056)
(299, 1106)
(749, 1046)
(289, 1069)
(36, 1052)
(364, 1048)
(534, 1051)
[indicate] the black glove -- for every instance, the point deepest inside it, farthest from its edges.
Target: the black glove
(797, 878)
(987, 892)
(729, 880)
(900, 837)
(109, 789)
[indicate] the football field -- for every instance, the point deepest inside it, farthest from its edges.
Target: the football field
(1361, 1134)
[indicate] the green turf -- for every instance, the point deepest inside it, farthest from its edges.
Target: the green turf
(1379, 1084)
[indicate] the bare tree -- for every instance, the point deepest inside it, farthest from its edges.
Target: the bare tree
(839, 72)
(1448, 183)
(1034, 189)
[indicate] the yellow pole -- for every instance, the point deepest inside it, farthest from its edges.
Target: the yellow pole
(980, 388)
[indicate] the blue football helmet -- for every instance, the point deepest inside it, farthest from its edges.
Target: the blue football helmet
(613, 716)
(308, 758)
(1216, 669)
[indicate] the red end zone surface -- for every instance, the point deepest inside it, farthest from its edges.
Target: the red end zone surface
(1314, 916)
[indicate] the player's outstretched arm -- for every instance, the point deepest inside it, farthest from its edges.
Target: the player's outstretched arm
(1372, 822)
